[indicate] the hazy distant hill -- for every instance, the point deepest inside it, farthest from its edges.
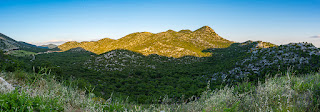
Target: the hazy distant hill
(49, 46)
(169, 43)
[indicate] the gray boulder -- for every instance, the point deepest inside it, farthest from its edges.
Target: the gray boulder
(5, 86)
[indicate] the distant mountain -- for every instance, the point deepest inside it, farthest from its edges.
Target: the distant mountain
(50, 46)
(8, 44)
(169, 43)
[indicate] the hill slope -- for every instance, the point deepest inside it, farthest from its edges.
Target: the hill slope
(8, 44)
(169, 43)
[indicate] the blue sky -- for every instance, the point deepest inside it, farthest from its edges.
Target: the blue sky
(276, 21)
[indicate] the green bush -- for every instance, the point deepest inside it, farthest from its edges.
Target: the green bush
(22, 102)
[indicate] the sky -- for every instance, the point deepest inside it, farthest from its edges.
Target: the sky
(56, 21)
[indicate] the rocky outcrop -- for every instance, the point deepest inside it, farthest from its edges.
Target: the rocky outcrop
(264, 57)
(5, 86)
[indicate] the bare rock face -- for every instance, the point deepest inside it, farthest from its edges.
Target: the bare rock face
(5, 86)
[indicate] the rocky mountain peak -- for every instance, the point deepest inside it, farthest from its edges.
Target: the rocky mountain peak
(205, 29)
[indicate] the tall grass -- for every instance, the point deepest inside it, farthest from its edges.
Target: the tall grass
(288, 92)
(44, 87)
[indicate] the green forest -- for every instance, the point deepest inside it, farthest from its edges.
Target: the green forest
(176, 78)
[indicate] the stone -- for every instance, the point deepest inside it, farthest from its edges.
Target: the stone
(5, 86)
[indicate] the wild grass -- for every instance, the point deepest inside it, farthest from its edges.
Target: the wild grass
(287, 92)
(41, 89)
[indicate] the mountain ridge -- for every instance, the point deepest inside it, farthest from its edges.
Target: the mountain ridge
(7, 43)
(169, 43)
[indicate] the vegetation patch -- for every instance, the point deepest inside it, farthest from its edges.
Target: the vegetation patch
(291, 92)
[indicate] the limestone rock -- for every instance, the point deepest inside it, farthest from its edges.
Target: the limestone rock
(5, 86)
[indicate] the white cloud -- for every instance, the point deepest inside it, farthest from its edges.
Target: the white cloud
(56, 42)
(317, 36)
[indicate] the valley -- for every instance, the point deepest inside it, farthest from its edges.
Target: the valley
(159, 56)
(177, 65)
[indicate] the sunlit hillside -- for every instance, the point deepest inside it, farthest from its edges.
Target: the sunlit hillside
(169, 43)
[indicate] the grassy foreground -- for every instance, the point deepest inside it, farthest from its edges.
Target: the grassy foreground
(41, 92)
